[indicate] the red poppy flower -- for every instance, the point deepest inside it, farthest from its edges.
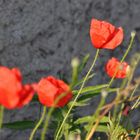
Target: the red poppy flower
(12, 93)
(50, 89)
(105, 35)
(114, 67)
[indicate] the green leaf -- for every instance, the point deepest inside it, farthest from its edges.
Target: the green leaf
(83, 120)
(79, 103)
(87, 119)
(19, 125)
(94, 93)
(83, 63)
(91, 92)
(102, 127)
(91, 88)
(81, 81)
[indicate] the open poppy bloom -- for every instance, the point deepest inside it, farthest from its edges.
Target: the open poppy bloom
(116, 68)
(53, 92)
(12, 93)
(104, 35)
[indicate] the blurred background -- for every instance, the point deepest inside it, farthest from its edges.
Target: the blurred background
(42, 36)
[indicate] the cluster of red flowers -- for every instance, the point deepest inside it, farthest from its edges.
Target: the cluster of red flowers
(13, 94)
(106, 36)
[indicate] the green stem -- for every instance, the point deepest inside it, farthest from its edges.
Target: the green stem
(131, 95)
(82, 86)
(75, 64)
(95, 115)
(116, 105)
(136, 103)
(1, 115)
(50, 113)
(112, 79)
(134, 66)
(124, 56)
(46, 123)
(38, 124)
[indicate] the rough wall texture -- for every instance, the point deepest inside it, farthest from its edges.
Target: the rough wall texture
(41, 36)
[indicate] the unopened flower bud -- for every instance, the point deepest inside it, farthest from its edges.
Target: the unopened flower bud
(133, 33)
(104, 93)
(75, 62)
(128, 70)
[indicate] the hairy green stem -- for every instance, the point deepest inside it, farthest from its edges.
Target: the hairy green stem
(82, 86)
(1, 115)
(111, 81)
(95, 115)
(38, 124)
(124, 56)
(50, 113)
(46, 123)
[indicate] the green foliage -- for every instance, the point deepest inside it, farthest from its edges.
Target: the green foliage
(83, 63)
(19, 125)
(117, 126)
(117, 131)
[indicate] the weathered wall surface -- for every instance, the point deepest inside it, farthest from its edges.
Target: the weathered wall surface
(41, 36)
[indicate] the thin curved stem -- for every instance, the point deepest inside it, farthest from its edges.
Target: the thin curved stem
(1, 115)
(95, 115)
(82, 86)
(46, 123)
(124, 56)
(136, 103)
(45, 127)
(110, 83)
(38, 124)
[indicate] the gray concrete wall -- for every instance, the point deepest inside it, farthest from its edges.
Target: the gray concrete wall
(41, 37)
